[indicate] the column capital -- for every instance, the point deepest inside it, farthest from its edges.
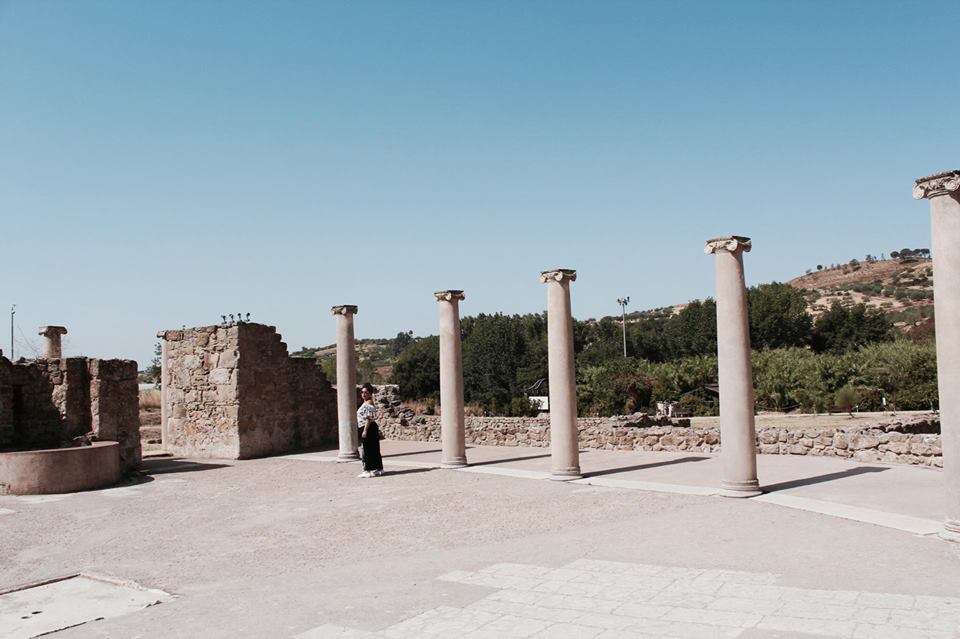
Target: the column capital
(937, 184)
(449, 295)
(558, 275)
(731, 244)
(344, 309)
(49, 331)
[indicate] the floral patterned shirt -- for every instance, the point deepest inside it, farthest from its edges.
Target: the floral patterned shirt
(365, 411)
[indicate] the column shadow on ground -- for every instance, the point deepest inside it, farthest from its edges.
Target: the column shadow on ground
(167, 465)
(413, 452)
(819, 479)
(504, 461)
(626, 469)
(409, 471)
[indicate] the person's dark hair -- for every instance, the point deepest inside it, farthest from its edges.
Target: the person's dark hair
(369, 387)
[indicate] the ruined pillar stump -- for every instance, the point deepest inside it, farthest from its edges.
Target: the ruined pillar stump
(943, 191)
(51, 341)
(738, 439)
(164, 384)
(564, 436)
(452, 435)
(346, 383)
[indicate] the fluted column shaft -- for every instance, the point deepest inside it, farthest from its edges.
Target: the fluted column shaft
(452, 436)
(346, 383)
(564, 435)
(738, 438)
(943, 191)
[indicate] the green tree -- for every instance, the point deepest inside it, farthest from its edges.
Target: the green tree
(417, 369)
(846, 399)
(787, 378)
(904, 372)
(841, 328)
(400, 342)
(692, 331)
(154, 370)
(598, 342)
(621, 386)
(778, 316)
(493, 351)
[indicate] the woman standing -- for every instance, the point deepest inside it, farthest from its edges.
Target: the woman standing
(369, 434)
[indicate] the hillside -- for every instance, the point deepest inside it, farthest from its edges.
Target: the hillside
(902, 288)
(374, 356)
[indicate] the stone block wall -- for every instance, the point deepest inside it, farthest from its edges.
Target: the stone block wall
(7, 431)
(114, 406)
(910, 441)
(46, 403)
(232, 391)
(47, 412)
(199, 392)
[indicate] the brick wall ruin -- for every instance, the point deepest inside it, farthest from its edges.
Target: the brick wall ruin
(914, 441)
(233, 392)
(46, 403)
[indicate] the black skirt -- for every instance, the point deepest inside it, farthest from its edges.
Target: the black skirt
(370, 452)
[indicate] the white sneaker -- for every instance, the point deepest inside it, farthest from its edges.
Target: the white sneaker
(376, 473)
(365, 474)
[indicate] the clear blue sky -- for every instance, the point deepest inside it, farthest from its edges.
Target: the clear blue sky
(163, 163)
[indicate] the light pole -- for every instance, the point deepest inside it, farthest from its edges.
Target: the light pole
(623, 301)
(13, 311)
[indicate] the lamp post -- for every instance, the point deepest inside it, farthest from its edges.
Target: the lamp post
(623, 301)
(13, 311)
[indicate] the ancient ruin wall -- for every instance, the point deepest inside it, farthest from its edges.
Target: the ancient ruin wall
(315, 405)
(114, 406)
(285, 403)
(7, 432)
(233, 392)
(46, 403)
(199, 380)
(50, 399)
(896, 442)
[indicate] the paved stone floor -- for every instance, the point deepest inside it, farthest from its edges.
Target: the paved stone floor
(300, 547)
(611, 599)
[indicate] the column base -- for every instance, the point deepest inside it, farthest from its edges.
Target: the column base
(566, 474)
(348, 457)
(740, 489)
(951, 531)
(454, 463)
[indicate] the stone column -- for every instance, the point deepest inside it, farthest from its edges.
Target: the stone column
(51, 341)
(346, 383)
(452, 437)
(564, 436)
(738, 437)
(943, 191)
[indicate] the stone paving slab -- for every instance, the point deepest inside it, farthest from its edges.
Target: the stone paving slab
(578, 600)
(65, 603)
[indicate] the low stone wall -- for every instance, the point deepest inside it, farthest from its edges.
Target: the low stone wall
(892, 442)
(60, 470)
(888, 443)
